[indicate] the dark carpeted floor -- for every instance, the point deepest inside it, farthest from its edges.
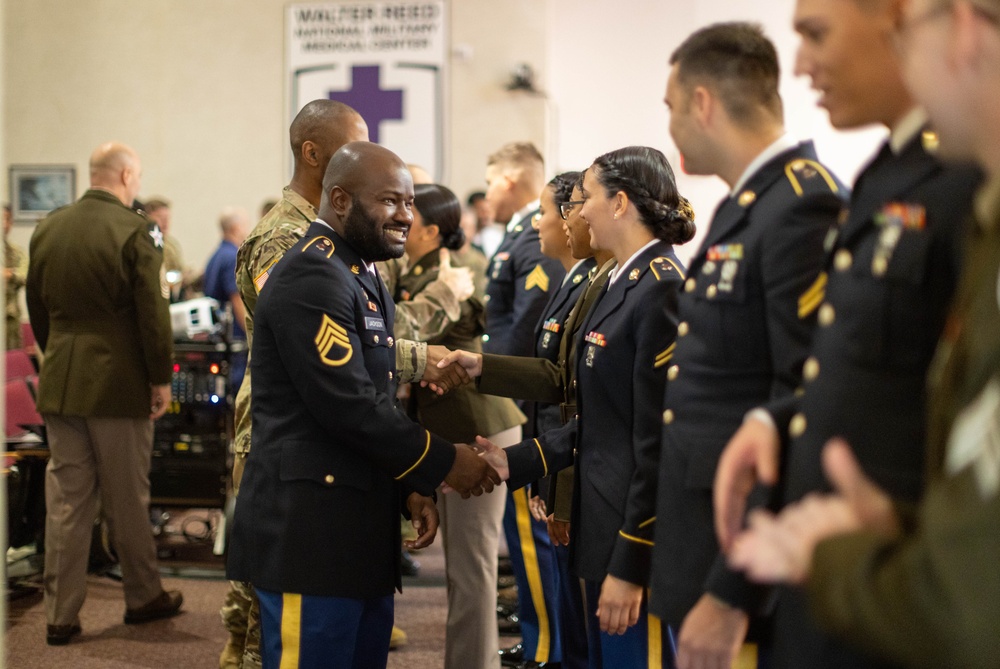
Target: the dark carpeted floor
(194, 638)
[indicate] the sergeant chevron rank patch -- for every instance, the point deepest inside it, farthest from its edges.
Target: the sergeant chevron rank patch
(537, 278)
(331, 335)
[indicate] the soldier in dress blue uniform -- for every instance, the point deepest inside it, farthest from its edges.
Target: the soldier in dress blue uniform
(891, 271)
(553, 382)
(747, 314)
(633, 209)
(521, 280)
(554, 244)
(920, 585)
(333, 461)
(549, 334)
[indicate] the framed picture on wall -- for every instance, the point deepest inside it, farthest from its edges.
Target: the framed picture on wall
(35, 190)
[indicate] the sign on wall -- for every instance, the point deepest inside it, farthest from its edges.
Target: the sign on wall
(385, 59)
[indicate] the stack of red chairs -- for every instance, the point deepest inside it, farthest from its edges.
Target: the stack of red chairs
(21, 380)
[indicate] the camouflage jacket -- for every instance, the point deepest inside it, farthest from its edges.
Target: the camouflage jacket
(15, 259)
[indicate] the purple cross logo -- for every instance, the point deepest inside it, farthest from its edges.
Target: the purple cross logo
(367, 97)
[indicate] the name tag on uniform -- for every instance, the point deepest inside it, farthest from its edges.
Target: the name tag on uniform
(372, 323)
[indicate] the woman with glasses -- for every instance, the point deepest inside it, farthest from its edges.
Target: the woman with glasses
(633, 210)
(470, 528)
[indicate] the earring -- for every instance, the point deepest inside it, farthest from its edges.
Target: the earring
(616, 217)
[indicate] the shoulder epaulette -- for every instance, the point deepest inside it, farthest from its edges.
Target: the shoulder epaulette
(663, 266)
(800, 170)
(321, 244)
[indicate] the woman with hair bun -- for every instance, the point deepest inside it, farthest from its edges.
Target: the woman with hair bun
(631, 203)
(470, 529)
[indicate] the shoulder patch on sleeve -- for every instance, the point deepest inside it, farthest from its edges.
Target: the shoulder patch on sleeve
(261, 279)
(664, 266)
(155, 234)
(333, 337)
(537, 279)
(801, 170)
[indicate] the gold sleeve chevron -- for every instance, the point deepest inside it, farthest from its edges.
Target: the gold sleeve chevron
(803, 168)
(537, 278)
(813, 297)
(330, 335)
(664, 356)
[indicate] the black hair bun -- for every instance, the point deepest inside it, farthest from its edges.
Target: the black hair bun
(454, 240)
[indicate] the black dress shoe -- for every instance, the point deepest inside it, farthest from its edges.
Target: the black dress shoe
(504, 609)
(505, 567)
(167, 604)
(409, 566)
(509, 625)
(59, 635)
(513, 656)
(531, 664)
(507, 596)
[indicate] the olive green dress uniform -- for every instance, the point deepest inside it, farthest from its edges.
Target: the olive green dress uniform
(100, 316)
(931, 597)
(470, 529)
(15, 259)
(463, 413)
(473, 258)
(892, 271)
(747, 313)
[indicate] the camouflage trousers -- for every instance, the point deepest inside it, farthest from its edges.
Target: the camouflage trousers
(241, 611)
(241, 617)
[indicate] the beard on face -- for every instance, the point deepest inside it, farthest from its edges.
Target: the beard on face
(364, 233)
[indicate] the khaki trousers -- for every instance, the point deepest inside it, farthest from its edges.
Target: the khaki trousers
(470, 531)
(93, 459)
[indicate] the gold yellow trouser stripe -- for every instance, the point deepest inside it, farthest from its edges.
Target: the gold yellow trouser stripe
(291, 627)
(534, 572)
(655, 642)
(747, 657)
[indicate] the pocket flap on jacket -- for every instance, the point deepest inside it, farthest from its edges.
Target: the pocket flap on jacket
(324, 464)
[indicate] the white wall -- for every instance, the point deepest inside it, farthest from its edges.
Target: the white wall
(608, 66)
(197, 88)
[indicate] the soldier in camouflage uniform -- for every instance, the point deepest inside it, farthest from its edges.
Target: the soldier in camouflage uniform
(15, 271)
(322, 127)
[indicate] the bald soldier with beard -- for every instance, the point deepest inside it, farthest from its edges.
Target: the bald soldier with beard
(333, 461)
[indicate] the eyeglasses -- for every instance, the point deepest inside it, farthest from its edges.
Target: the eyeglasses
(566, 208)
